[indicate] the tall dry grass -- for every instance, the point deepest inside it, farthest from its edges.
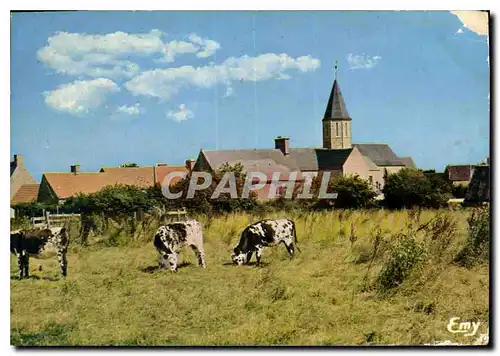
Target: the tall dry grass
(326, 295)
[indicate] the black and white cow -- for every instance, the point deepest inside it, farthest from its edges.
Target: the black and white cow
(267, 232)
(26, 243)
(170, 238)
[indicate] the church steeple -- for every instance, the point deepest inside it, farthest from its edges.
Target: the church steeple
(336, 121)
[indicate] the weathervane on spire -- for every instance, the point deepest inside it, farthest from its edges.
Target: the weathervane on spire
(336, 69)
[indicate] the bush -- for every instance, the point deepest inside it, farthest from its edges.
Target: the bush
(404, 257)
(410, 187)
(459, 191)
(477, 247)
(202, 201)
(32, 209)
(353, 192)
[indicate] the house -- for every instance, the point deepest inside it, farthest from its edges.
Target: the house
(26, 194)
(459, 174)
(19, 176)
(479, 187)
(338, 155)
(56, 187)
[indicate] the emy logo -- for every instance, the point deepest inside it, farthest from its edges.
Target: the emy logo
(468, 328)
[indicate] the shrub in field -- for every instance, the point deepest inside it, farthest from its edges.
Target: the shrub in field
(406, 255)
(33, 208)
(352, 192)
(202, 201)
(410, 187)
(477, 247)
(459, 191)
(20, 222)
(440, 231)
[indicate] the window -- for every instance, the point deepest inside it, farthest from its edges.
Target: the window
(346, 131)
(370, 180)
(337, 128)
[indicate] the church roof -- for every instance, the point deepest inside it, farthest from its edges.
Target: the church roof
(336, 109)
(269, 160)
(380, 153)
(319, 159)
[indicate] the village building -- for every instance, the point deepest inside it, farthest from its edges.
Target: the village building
(59, 186)
(459, 174)
(370, 161)
(23, 187)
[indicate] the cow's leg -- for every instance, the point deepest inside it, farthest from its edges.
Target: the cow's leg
(163, 261)
(258, 254)
(289, 246)
(20, 264)
(200, 255)
(63, 263)
(172, 261)
(26, 264)
(249, 256)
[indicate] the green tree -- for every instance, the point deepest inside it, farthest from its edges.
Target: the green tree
(352, 192)
(130, 164)
(411, 187)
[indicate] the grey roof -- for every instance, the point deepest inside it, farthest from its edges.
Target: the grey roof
(408, 161)
(252, 159)
(318, 159)
(272, 160)
(268, 160)
(380, 153)
(336, 109)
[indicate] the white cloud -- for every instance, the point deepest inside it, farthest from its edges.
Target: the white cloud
(182, 114)
(362, 61)
(81, 96)
(209, 47)
(164, 83)
(476, 21)
(130, 110)
(104, 55)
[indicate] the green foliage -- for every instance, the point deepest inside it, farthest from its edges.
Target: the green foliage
(202, 201)
(352, 192)
(477, 248)
(404, 257)
(131, 164)
(114, 201)
(32, 209)
(410, 187)
(459, 191)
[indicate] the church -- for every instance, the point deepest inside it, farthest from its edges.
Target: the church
(339, 155)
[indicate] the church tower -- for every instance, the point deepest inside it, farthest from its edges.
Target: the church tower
(336, 122)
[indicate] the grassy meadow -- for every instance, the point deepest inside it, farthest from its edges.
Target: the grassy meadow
(326, 295)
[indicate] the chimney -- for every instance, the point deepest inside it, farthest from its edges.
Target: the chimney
(18, 159)
(75, 168)
(190, 165)
(282, 144)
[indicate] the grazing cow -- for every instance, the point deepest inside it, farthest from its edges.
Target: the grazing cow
(267, 232)
(170, 238)
(24, 243)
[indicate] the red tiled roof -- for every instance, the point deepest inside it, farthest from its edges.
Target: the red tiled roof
(25, 194)
(460, 173)
(69, 184)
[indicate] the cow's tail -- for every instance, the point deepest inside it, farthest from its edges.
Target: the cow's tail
(295, 236)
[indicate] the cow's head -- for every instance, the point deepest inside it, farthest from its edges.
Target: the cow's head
(239, 257)
(169, 261)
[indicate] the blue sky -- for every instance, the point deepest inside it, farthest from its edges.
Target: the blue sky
(105, 88)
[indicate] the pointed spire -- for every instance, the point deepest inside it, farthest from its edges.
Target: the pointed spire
(336, 110)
